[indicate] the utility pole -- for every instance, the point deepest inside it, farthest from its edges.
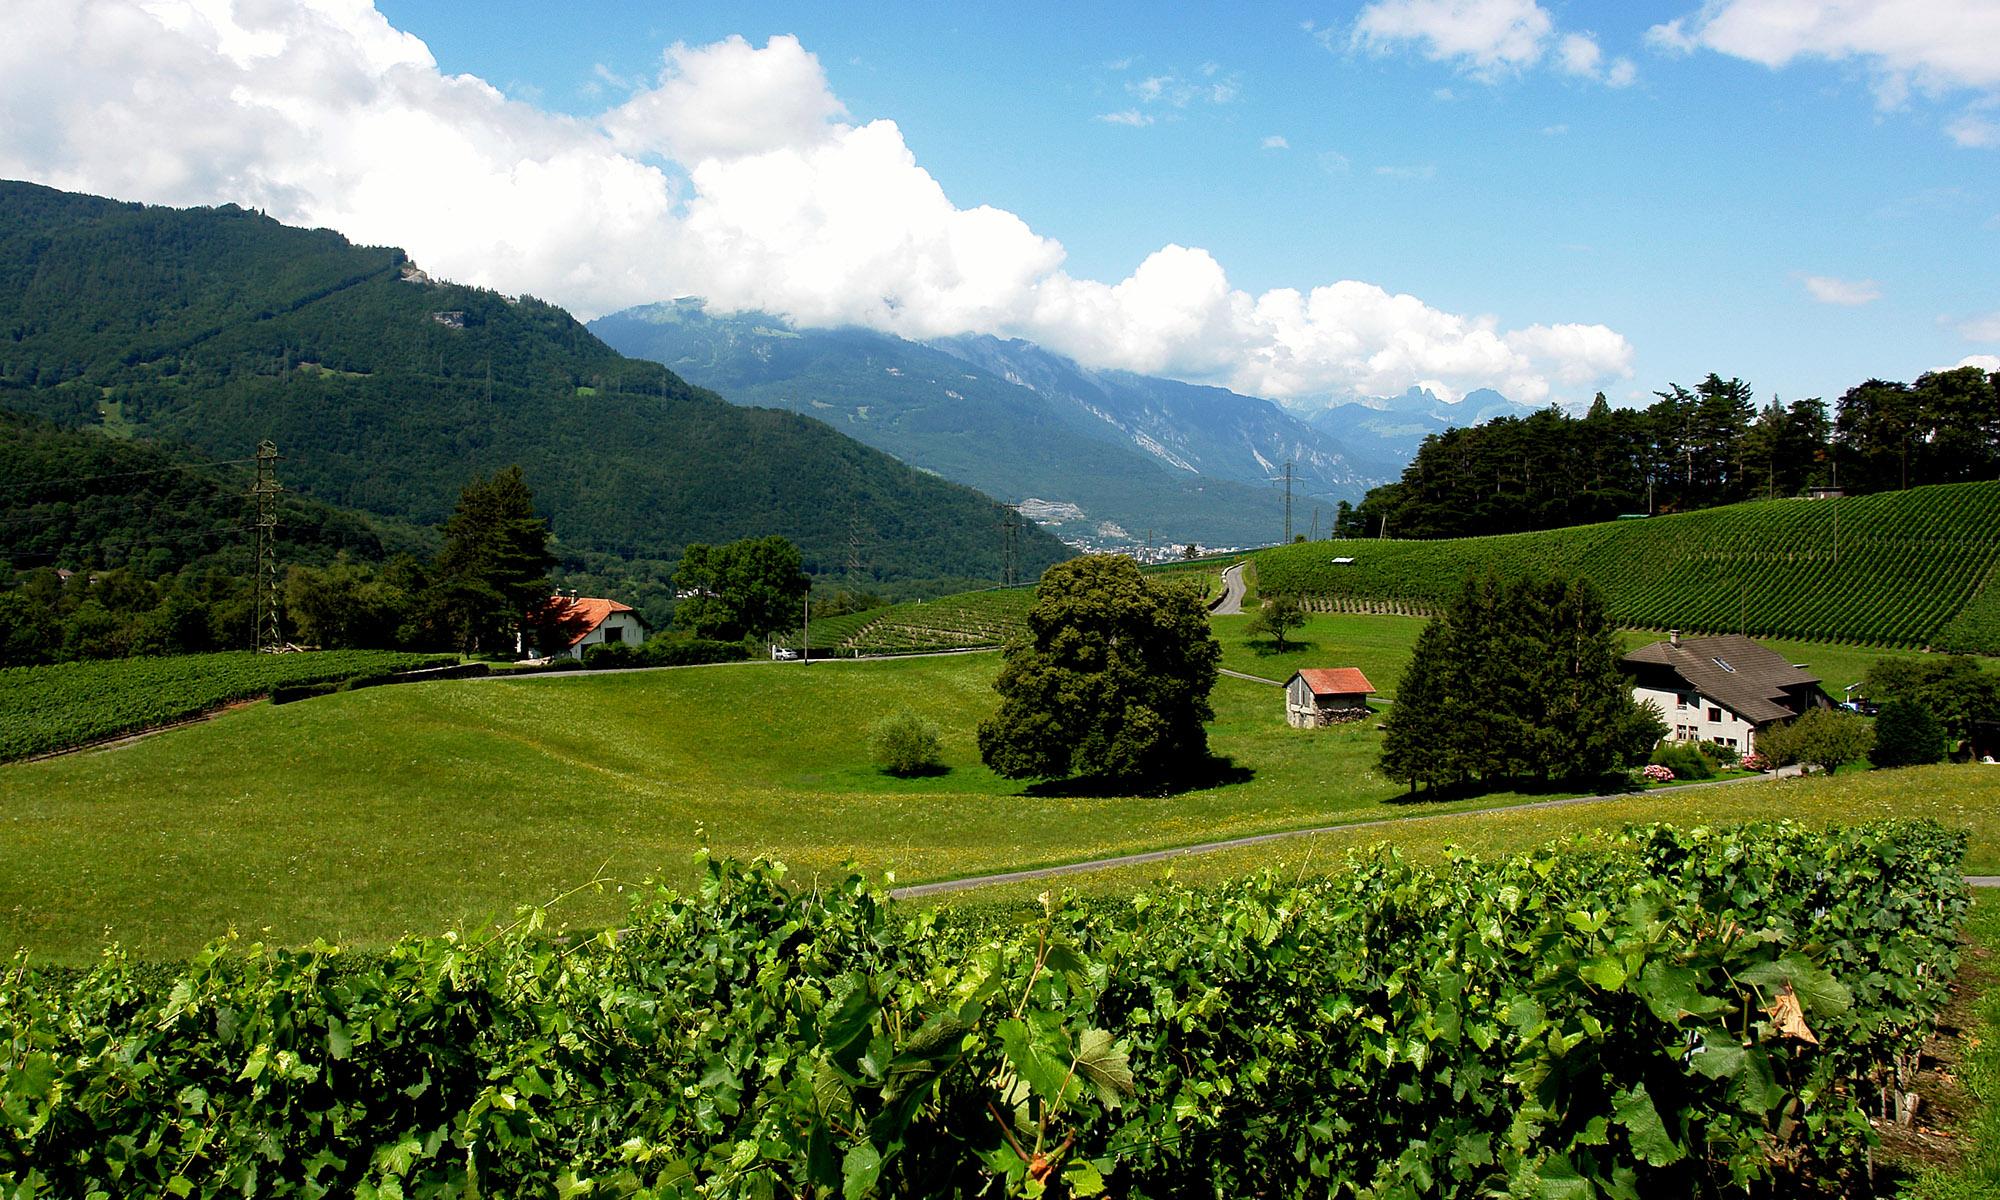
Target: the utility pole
(264, 633)
(1315, 536)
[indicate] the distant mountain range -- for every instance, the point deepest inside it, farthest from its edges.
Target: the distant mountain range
(1382, 436)
(1101, 456)
(386, 391)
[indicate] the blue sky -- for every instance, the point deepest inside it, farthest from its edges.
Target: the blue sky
(1614, 204)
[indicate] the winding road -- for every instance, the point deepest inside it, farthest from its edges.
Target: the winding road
(1233, 589)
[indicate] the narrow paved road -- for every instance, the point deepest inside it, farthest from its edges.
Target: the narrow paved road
(1233, 588)
(1135, 860)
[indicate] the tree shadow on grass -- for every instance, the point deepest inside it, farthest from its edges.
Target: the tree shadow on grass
(1615, 784)
(1212, 772)
(927, 771)
(1267, 647)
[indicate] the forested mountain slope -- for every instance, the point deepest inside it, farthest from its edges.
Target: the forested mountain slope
(386, 391)
(939, 412)
(80, 499)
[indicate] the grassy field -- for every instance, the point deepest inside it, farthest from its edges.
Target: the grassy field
(360, 816)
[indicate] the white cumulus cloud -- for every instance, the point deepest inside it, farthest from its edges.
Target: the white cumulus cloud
(736, 174)
(1487, 39)
(1985, 362)
(1984, 328)
(1935, 47)
(1846, 292)
(1275, 142)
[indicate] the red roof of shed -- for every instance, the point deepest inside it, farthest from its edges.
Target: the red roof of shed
(1336, 681)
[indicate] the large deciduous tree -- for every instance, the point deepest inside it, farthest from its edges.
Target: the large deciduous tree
(750, 588)
(495, 562)
(1111, 680)
(1516, 680)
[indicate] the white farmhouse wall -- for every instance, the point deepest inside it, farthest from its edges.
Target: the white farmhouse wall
(633, 633)
(1687, 718)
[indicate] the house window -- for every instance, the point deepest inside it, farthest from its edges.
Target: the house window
(614, 633)
(1729, 742)
(1714, 714)
(1680, 733)
(1683, 700)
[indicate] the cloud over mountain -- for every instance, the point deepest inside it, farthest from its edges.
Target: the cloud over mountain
(737, 174)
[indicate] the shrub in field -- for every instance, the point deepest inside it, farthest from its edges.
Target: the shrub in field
(1693, 1012)
(1685, 760)
(905, 744)
(611, 656)
(1658, 773)
(1754, 761)
(1907, 735)
(1822, 737)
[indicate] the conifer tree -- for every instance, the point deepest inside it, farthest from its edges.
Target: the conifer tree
(495, 562)
(1516, 680)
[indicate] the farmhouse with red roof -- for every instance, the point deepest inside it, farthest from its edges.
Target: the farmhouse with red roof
(585, 621)
(1321, 696)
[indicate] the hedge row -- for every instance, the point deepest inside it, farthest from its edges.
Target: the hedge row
(1688, 1012)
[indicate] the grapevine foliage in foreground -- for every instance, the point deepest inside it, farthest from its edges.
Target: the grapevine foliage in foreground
(1685, 1012)
(68, 704)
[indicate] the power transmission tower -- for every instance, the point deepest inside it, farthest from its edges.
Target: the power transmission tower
(1288, 502)
(265, 634)
(854, 549)
(1010, 545)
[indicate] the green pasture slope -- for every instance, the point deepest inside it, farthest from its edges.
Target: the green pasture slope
(1912, 568)
(363, 815)
(69, 704)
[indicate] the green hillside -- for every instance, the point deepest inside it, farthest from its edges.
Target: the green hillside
(78, 498)
(386, 391)
(1909, 568)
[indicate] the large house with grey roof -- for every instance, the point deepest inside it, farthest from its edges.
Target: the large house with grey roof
(1720, 689)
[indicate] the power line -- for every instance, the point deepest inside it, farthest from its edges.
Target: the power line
(63, 479)
(160, 539)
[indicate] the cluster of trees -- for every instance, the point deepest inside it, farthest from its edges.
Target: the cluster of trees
(1516, 680)
(1692, 448)
(493, 568)
(1928, 705)
(1111, 681)
(117, 612)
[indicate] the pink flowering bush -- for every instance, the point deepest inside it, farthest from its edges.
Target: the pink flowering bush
(1658, 773)
(1755, 762)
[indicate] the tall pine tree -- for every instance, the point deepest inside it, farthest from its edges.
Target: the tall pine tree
(494, 565)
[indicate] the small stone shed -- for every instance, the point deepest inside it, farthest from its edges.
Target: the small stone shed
(1321, 696)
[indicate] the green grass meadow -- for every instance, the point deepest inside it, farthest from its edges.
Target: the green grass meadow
(361, 816)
